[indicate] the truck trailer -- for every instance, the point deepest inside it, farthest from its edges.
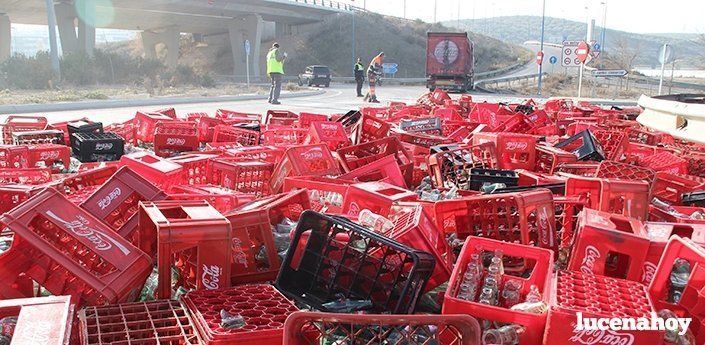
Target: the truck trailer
(450, 61)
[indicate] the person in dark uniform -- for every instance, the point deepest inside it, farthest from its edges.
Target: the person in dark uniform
(359, 76)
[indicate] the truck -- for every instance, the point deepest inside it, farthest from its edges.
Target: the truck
(450, 61)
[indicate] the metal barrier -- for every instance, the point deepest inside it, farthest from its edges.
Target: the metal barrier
(682, 116)
(326, 3)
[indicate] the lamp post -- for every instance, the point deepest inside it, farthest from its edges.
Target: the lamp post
(604, 27)
(543, 24)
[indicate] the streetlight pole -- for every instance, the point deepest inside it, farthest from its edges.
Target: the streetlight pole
(404, 9)
(435, 7)
(543, 24)
(353, 39)
(604, 27)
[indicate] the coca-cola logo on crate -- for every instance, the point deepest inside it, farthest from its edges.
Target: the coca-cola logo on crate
(108, 199)
(81, 227)
(210, 277)
(595, 337)
(588, 264)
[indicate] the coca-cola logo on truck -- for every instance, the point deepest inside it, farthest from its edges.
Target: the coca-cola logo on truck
(446, 52)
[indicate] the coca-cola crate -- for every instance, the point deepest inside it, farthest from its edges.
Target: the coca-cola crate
(33, 176)
(524, 265)
(68, 251)
(78, 187)
(205, 125)
(677, 214)
(231, 134)
(325, 262)
(243, 176)
(385, 169)
(307, 160)
(635, 152)
(643, 136)
(349, 120)
(82, 126)
(696, 163)
(597, 297)
(13, 195)
(326, 194)
(312, 328)
(452, 166)
(230, 114)
(270, 154)
(579, 169)
(630, 198)
(96, 147)
(115, 202)
(613, 143)
(13, 157)
(369, 128)
(356, 156)
(21, 124)
(659, 234)
(171, 138)
(420, 139)
(159, 171)
(253, 235)
(125, 130)
(222, 199)
(145, 124)
(154, 322)
(53, 156)
(524, 217)
(280, 118)
(514, 151)
(170, 112)
(665, 161)
(40, 320)
(533, 179)
(46, 136)
(262, 307)
(195, 167)
(566, 212)
(548, 158)
(671, 187)
(330, 133)
(427, 125)
(377, 197)
(191, 236)
(284, 136)
(623, 171)
(584, 145)
(610, 245)
(306, 119)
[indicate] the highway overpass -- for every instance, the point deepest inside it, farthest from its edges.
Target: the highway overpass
(162, 21)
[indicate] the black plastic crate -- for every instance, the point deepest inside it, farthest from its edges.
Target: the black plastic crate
(555, 188)
(443, 148)
(584, 146)
(350, 118)
(331, 257)
(694, 198)
(478, 177)
(83, 126)
(98, 147)
(428, 125)
(46, 136)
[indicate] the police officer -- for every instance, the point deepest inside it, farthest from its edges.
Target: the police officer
(275, 70)
(359, 76)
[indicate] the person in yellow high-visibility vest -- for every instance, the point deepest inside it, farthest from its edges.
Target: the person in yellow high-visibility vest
(275, 70)
(373, 71)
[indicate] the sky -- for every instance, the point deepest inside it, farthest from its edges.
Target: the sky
(640, 16)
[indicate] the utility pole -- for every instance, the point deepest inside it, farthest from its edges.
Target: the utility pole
(404, 9)
(435, 8)
(459, 14)
(604, 27)
(353, 39)
(543, 24)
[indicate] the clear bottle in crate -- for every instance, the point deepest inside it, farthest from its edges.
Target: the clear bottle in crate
(378, 223)
(505, 335)
(678, 279)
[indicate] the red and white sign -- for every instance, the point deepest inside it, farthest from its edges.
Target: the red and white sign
(539, 58)
(582, 51)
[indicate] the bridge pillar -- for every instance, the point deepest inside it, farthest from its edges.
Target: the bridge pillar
(170, 37)
(5, 37)
(279, 31)
(86, 31)
(241, 29)
(65, 20)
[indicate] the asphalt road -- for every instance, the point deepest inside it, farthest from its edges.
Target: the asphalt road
(336, 99)
(533, 68)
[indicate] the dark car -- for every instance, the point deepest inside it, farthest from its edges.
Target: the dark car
(318, 75)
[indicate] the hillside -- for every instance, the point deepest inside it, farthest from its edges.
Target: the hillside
(518, 29)
(329, 43)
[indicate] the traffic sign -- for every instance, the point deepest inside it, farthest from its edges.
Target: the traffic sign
(539, 58)
(247, 47)
(390, 68)
(582, 51)
(568, 55)
(553, 60)
(609, 73)
(595, 50)
(665, 55)
(597, 47)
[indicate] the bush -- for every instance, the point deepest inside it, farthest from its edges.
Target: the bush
(22, 72)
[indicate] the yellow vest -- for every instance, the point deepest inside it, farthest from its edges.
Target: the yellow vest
(274, 66)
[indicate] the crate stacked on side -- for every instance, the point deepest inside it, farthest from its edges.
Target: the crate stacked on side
(159, 171)
(548, 158)
(331, 133)
(514, 151)
(145, 125)
(630, 198)
(195, 167)
(356, 156)
(284, 136)
(622, 171)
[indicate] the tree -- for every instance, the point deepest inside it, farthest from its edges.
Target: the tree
(622, 55)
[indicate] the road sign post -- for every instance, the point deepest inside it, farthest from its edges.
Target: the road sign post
(247, 60)
(553, 61)
(582, 53)
(664, 58)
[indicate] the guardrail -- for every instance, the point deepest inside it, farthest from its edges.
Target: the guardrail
(327, 3)
(682, 116)
(490, 74)
(496, 81)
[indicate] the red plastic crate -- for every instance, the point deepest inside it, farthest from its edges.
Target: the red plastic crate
(356, 156)
(13, 195)
(243, 176)
(222, 199)
(159, 171)
(659, 234)
(525, 217)
(230, 114)
(419, 139)
(270, 154)
(670, 187)
(306, 119)
(369, 128)
(25, 176)
(601, 297)
(283, 118)
(609, 245)
(377, 197)
(252, 227)
(125, 130)
(312, 328)
(263, 308)
(696, 163)
(46, 136)
(206, 125)
(446, 167)
(40, 320)
(425, 125)
(171, 138)
(324, 192)
(195, 167)
(514, 151)
(191, 236)
(116, 201)
(68, 251)
(78, 187)
(45, 155)
(529, 178)
(622, 171)
(145, 125)
(330, 133)
(566, 213)
(155, 322)
(548, 158)
(385, 169)
(308, 160)
(665, 161)
(284, 136)
(15, 157)
(579, 169)
(658, 215)
(538, 262)
(630, 198)
(230, 134)
(21, 124)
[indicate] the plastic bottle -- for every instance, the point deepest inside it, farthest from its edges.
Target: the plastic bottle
(150, 287)
(664, 206)
(678, 280)
(471, 282)
(374, 221)
(505, 335)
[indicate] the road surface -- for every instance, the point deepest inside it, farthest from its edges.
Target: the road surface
(532, 68)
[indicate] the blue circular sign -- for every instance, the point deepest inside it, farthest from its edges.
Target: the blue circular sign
(596, 47)
(553, 60)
